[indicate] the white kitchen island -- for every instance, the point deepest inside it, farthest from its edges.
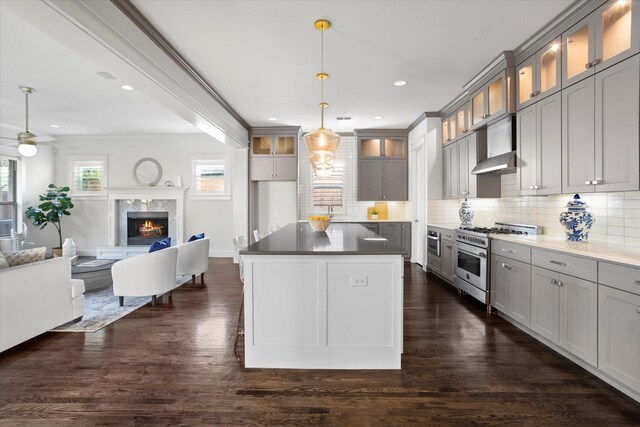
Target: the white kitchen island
(323, 300)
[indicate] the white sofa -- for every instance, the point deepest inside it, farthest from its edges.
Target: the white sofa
(37, 297)
(193, 259)
(149, 274)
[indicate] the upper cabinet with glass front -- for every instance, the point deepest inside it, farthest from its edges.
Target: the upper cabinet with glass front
(449, 129)
(269, 145)
(539, 76)
(382, 147)
(490, 101)
(607, 36)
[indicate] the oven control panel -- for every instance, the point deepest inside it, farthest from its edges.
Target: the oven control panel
(473, 239)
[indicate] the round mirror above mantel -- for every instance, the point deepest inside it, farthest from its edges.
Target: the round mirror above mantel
(147, 172)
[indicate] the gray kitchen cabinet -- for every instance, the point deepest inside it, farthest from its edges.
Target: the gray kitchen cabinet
(273, 154)
(511, 288)
(398, 233)
(618, 337)
(382, 166)
(539, 142)
(539, 76)
(578, 137)
(447, 264)
(564, 310)
(490, 101)
(450, 171)
(602, 155)
(371, 226)
(605, 37)
(464, 172)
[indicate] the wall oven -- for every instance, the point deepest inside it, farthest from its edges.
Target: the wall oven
(433, 243)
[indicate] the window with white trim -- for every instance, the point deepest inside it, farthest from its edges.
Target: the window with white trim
(88, 175)
(329, 191)
(8, 196)
(210, 177)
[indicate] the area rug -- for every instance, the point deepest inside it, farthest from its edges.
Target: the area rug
(101, 308)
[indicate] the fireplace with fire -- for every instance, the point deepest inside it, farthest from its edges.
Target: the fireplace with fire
(145, 227)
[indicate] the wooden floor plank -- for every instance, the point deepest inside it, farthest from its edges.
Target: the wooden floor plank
(173, 364)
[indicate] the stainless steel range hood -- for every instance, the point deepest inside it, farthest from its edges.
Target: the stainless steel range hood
(501, 154)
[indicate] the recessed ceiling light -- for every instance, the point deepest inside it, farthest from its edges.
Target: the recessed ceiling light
(54, 126)
(400, 83)
(126, 87)
(272, 119)
(106, 75)
(377, 117)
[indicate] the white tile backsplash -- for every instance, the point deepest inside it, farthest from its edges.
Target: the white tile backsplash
(352, 209)
(617, 214)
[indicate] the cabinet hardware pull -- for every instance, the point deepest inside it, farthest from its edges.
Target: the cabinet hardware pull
(556, 282)
(587, 183)
(531, 95)
(596, 182)
(507, 266)
(588, 65)
(637, 282)
(506, 250)
(531, 187)
(595, 61)
(536, 187)
(561, 264)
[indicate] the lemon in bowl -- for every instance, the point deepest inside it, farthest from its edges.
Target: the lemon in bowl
(319, 223)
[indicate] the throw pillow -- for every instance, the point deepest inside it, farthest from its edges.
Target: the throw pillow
(3, 262)
(160, 244)
(25, 257)
(196, 237)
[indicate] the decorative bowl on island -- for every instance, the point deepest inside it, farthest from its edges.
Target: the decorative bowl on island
(319, 223)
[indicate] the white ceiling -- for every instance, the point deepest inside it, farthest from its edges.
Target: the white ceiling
(68, 91)
(262, 56)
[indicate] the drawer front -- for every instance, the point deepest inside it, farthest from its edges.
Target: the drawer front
(449, 235)
(511, 250)
(619, 277)
(433, 263)
(567, 264)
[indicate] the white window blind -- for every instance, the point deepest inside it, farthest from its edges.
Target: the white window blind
(211, 177)
(329, 191)
(88, 176)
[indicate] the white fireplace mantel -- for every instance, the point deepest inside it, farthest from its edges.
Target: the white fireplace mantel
(146, 193)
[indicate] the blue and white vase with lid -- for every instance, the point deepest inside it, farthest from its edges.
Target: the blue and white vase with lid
(466, 214)
(577, 220)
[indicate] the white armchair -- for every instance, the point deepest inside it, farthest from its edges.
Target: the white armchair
(149, 274)
(193, 259)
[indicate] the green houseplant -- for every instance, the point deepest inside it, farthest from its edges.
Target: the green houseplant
(55, 204)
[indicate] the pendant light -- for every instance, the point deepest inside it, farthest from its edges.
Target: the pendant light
(322, 143)
(26, 144)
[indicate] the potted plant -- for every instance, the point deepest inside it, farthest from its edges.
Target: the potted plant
(374, 214)
(55, 204)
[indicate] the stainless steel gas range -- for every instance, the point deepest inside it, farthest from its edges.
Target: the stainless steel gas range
(472, 250)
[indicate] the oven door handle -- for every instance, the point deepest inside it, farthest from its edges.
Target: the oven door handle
(433, 238)
(481, 255)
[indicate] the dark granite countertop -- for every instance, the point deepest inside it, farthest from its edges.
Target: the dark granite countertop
(339, 239)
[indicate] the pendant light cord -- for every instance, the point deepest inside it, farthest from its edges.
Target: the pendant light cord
(322, 79)
(26, 103)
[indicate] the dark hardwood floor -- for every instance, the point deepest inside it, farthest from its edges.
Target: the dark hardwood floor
(173, 364)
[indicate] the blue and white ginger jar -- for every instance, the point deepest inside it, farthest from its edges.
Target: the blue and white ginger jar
(465, 213)
(577, 220)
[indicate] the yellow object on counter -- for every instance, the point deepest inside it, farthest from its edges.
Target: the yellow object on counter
(381, 208)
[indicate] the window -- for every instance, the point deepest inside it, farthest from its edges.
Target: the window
(210, 177)
(8, 196)
(87, 176)
(329, 191)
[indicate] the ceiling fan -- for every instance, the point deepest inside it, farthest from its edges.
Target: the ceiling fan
(27, 141)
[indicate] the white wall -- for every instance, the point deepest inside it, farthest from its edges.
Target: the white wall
(35, 175)
(218, 219)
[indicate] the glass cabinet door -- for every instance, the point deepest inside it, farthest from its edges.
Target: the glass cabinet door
(261, 145)
(477, 108)
(370, 147)
(468, 112)
(496, 96)
(452, 127)
(285, 145)
(461, 121)
(577, 52)
(445, 131)
(526, 88)
(548, 64)
(395, 147)
(617, 31)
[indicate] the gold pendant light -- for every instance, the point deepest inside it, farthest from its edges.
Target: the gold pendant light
(322, 143)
